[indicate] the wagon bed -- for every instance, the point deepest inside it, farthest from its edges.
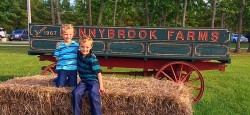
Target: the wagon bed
(176, 54)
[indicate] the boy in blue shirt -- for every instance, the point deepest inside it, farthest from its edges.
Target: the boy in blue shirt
(91, 79)
(66, 54)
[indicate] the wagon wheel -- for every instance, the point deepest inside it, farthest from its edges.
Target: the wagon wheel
(183, 73)
(50, 70)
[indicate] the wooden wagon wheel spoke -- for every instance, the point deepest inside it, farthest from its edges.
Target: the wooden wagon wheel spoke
(50, 70)
(192, 80)
(180, 75)
(183, 73)
(195, 88)
(166, 75)
(186, 76)
(172, 69)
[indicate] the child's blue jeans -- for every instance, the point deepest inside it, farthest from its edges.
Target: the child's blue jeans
(94, 96)
(66, 78)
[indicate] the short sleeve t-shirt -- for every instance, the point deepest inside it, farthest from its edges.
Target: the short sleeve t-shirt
(67, 55)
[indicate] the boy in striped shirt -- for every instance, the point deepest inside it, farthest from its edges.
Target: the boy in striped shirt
(66, 54)
(91, 79)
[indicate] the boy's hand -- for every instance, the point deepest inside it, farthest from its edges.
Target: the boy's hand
(57, 44)
(102, 90)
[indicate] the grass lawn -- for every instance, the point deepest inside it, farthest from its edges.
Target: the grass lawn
(15, 43)
(226, 93)
(242, 45)
(15, 62)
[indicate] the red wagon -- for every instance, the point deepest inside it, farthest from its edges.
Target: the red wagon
(176, 54)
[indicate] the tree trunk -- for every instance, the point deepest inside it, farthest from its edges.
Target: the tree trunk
(177, 3)
(114, 13)
(160, 21)
(122, 13)
(52, 12)
(184, 13)
(164, 18)
(100, 13)
(237, 49)
(147, 12)
(89, 9)
(222, 19)
(83, 12)
(84, 20)
(213, 14)
(58, 12)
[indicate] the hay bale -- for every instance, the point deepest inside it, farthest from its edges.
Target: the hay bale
(147, 96)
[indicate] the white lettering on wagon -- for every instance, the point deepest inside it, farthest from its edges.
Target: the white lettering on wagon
(39, 31)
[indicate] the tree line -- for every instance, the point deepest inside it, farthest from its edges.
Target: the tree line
(232, 14)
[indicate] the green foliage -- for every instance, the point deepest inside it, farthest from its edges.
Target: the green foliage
(40, 12)
(12, 14)
(246, 17)
(198, 9)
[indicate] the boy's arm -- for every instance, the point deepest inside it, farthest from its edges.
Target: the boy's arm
(56, 53)
(99, 76)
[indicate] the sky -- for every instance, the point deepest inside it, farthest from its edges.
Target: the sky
(71, 1)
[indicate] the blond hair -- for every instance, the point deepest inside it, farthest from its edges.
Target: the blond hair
(84, 39)
(66, 27)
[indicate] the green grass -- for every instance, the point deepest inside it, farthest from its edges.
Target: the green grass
(242, 45)
(226, 93)
(15, 43)
(15, 62)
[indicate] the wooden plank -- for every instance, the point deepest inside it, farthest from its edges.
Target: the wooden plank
(169, 49)
(141, 42)
(220, 35)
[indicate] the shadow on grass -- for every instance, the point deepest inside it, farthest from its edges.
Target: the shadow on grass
(5, 78)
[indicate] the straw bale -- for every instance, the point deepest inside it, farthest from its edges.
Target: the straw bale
(124, 96)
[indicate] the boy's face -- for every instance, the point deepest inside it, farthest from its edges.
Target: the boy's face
(68, 35)
(85, 48)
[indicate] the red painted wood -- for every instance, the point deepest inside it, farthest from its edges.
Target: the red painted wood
(47, 58)
(112, 62)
